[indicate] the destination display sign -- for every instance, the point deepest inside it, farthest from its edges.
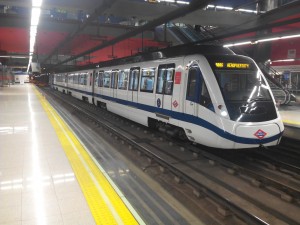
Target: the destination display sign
(232, 65)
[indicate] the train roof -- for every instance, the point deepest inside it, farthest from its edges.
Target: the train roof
(170, 53)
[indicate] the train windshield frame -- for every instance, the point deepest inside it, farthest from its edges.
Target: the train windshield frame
(245, 92)
(237, 85)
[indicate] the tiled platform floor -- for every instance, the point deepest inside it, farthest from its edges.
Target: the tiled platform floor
(37, 183)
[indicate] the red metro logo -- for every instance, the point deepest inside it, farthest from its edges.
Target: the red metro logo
(260, 134)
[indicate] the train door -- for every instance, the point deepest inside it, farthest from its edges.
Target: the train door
(193, 91)
(106, 83)
(99, 84)
(66, 81)
(164, 86)
(134, 75)
(114, 83)
(92, 86)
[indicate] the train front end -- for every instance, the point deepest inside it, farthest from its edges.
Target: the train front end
(248, 112)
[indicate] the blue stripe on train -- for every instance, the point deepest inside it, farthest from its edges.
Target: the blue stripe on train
(184, 117)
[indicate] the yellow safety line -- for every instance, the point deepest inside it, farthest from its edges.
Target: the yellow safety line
(291, 122)
(105, 204)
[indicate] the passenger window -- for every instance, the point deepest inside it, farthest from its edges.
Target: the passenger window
(165, 79)
(75, 78)
(123, 79)
(134, 79)
(147, 80)
(160, 80)
(169, 80)
(114, 79)
(81, 79)
(100, 79)
(96, 78)
(106, 79)
(70, 78)
(85, 78)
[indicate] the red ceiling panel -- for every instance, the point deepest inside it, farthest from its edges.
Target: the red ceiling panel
(122, 49)
(14, 40)
(47, 41)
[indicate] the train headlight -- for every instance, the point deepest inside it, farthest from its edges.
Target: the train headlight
(224, 113)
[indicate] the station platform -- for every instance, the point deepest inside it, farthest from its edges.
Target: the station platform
(46, 175)
(290, 115)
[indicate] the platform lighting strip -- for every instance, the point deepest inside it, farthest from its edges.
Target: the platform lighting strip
(230, 8)
(35, 17)
(208, 6)
(283, 60)
(171, 1)
(261, 40)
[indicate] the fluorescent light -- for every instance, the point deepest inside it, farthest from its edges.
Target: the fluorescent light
(37, 3)
(33, 31)
(237, 44)
(224, 7)
(35, 16)
(268, 39)
(14, 56)
(291, 36)
(284, 60)
(261, 40)
(182, 2)
(230, 8)
(246, 10)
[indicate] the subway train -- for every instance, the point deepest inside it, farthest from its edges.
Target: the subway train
(206, 94)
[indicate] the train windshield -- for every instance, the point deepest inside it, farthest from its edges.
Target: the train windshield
(239, 85)
(245, 92)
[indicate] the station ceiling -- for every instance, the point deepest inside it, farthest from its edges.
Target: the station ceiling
(80, 40)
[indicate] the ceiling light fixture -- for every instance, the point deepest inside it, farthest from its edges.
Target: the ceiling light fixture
(182, 2)
(35, 17)
(261, 40)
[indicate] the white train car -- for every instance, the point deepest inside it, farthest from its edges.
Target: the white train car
(60, 82)
(212, 97)
(80, 85)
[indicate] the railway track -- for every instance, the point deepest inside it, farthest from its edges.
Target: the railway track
(233, 187)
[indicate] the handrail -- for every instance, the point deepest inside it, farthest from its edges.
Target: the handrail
(277, 86)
